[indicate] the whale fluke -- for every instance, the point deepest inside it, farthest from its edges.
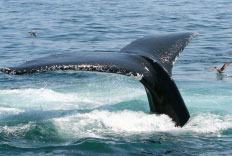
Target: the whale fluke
(162, 48)
(149, 60)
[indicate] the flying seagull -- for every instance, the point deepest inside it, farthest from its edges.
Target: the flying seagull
(32, 33)
(219, 70)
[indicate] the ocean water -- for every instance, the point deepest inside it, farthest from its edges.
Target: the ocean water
(86, 113)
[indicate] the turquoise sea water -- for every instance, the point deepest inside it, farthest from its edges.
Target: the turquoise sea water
(80, 113)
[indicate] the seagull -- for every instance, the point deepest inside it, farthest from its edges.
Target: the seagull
(219, 70)
(32, 33)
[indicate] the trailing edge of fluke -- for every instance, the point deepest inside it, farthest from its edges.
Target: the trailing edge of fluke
(148, 59)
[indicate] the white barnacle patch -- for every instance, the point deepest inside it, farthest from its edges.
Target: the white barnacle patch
(137, 76)
(193, 36)
(8, 71)
(146, 69)
(88, 67)
(175, 59)
(4, 69)
(66, 67)
(165, 57)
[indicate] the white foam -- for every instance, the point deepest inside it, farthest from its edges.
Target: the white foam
(126, 123)
(17, 130)
(48, 99)
(5, 112)
(208, 123)
(38, 98)
(99, 123)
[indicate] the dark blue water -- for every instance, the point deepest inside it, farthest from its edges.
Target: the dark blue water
(79, 113)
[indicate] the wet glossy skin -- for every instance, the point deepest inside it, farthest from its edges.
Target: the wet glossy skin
(149, 60)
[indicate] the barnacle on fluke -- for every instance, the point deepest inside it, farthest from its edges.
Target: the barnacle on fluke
(149, 60)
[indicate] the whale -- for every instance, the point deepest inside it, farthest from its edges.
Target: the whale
(148, 59)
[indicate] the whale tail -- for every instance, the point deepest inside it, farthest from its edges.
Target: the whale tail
(162, 48)
(149, 60)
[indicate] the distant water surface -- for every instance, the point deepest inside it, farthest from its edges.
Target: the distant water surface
(80, 113)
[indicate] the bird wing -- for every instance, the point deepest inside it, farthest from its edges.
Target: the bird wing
(33, 33)
(225, 65)
(211, 68)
